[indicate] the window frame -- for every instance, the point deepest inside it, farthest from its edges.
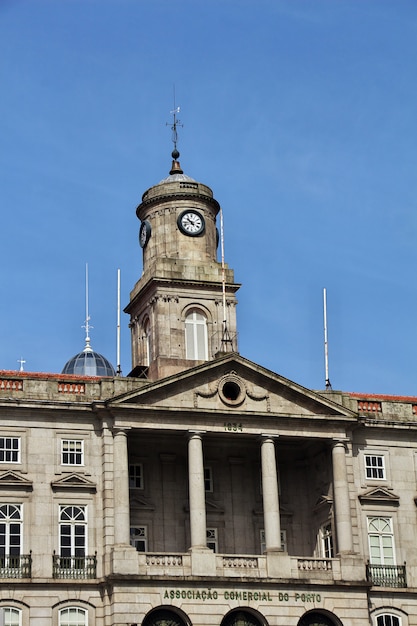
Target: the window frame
(73, 524)
(208, 479)
(8, 522)
(326, 540)
(391, 616)
(212, 539)
(4, 450)
(371, 467)
(70, 452)
(192, 338)
(17, 611)
(383, 558)
(71, 623)
(140, 537)
(135, 478)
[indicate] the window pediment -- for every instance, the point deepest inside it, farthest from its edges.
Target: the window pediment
(138, 502)
(75, 482)
(379, 495)
(12, 480)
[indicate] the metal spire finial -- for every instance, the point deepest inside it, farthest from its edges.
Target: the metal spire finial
(175, 154)
(87, 325)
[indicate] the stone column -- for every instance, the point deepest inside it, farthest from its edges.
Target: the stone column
(270, 495)
(121, 488)
(196, 491)
(343, 519)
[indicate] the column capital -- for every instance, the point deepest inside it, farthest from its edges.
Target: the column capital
(340, 441)
(264, 437)
(196, 433)
(120, 430)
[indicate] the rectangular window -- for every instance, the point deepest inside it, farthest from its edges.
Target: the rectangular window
(9, 449)
(375, 467)
(208, 479)
(136, 476)
(326, 541)
(211, 534)
(72, 452)
(283, 540)
(139, 538)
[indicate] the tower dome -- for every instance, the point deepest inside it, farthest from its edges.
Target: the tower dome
(89, 363)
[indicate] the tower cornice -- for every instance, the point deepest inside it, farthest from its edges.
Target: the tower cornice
(167, 197)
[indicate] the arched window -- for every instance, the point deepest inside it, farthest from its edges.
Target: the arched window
(11, 617)
(147, 342)
(196, 347)
(73, 536)
(388, 620)
(10, 534)
(315, 619)
(381, 541)
(73, 616)
(163, 617)
(240, 618)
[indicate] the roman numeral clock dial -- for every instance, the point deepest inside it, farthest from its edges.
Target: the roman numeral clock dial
(191, 223)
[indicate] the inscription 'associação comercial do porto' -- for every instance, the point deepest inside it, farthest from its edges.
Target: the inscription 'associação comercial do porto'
(245, 596)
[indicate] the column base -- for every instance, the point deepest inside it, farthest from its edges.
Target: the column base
(124, 560)
(278, 564)
(352, 566)
(203, 562)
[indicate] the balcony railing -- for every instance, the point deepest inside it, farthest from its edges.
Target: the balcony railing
(74, 567)
(15, 566)
(386, 575)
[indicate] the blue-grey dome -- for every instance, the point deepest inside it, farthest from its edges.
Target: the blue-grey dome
(89, 363)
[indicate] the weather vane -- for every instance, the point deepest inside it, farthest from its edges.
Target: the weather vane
(87, 324)
(174, 112)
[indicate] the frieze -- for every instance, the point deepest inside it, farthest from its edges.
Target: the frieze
(207, 595)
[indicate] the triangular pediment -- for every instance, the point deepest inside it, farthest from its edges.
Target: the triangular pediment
(232, 385)
(15, 481)
(139, 502)
(378, 495)
(211, 508)
(74, 482)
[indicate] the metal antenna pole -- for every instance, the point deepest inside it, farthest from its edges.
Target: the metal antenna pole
(223, 269)
(326, 347)
(226, 338)
(119, 369)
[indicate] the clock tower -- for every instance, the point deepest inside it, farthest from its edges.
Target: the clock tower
(182, 310)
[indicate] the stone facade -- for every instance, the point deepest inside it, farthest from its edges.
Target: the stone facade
(201, 491)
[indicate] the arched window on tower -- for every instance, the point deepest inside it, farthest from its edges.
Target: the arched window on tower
(147, 342)
(196, 345)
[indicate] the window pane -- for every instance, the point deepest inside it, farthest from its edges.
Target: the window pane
(73, 617)
(11, 616)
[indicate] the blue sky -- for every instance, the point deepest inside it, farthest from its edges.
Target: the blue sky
(301, 116)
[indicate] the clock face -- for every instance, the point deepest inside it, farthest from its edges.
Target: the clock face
(144, 233)
(191, 223)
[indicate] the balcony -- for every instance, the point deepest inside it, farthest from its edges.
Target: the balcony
(386, 575)
(74, 567)
(278, 565)
(15, 566)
